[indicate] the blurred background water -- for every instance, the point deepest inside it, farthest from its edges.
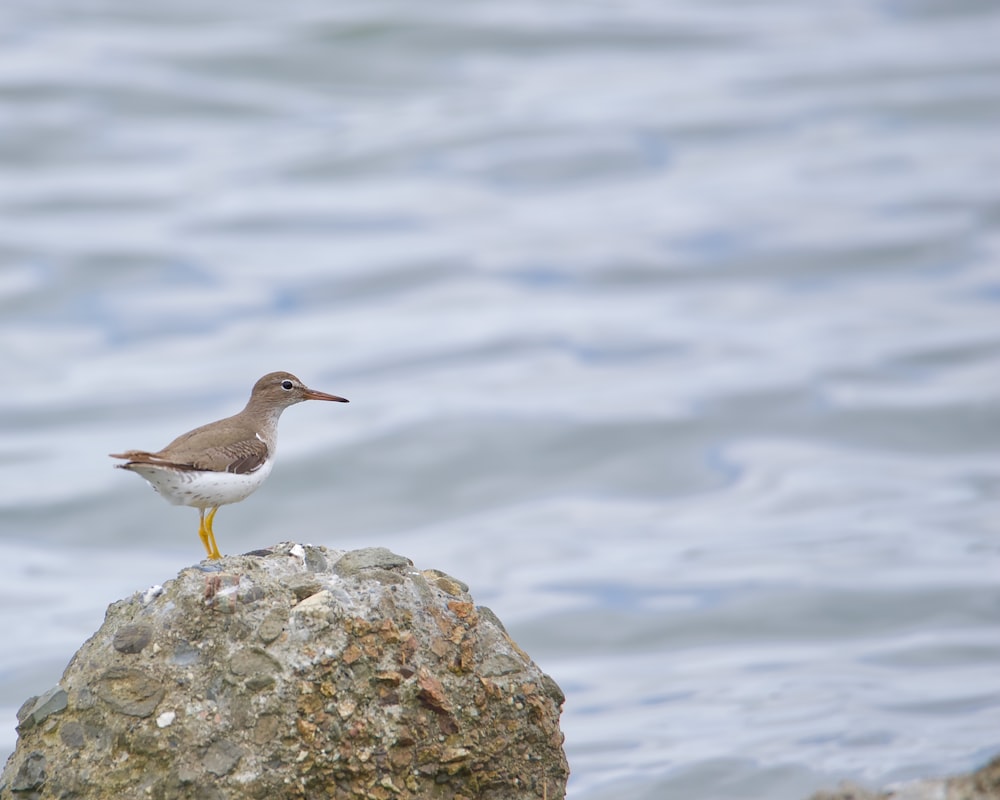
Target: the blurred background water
(671, 328)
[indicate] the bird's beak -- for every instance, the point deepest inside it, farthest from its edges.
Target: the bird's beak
(312, 394)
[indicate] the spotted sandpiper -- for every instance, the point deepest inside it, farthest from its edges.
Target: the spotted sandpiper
(225, 461)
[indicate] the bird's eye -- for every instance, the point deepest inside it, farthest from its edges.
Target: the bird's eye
(286, 385)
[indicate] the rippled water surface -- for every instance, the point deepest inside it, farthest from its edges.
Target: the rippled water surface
(671, 328)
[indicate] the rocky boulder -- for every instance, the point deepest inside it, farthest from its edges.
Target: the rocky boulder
(983, 784)
(296, 672)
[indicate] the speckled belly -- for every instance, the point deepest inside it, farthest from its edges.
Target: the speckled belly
(202, 489)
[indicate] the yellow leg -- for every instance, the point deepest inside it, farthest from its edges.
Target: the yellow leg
(214, 552)
(203, 532)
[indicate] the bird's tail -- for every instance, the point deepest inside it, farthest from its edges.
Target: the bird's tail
(134, 455)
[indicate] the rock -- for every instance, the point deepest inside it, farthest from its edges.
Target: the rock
(983, 784)
(129, 691)
(132, 638)
(846, 791)
(36, 709)
(30, 773)
(221, 758)
(297, 672)
(369, 558)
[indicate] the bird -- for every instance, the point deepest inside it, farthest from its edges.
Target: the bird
(225, 461)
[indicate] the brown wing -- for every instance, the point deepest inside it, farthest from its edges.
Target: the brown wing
(239, 457)
(246, 456)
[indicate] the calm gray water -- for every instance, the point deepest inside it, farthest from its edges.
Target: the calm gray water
(671, 328)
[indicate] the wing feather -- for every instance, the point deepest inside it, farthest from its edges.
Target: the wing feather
(241, 457)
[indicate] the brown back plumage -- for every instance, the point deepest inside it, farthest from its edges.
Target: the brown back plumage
(240, 443)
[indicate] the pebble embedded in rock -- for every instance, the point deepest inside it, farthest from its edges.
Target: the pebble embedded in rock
(37, 709)
(272, 626)
(132, 638)
(304, 585)
(72, 735)
(221, 757)
(30, 773)
(129, 691)
(369, 558)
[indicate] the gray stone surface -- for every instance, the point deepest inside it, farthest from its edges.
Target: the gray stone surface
(132, 638)
(296, 673)
(983, 784)
(37, 709)
(369, 558)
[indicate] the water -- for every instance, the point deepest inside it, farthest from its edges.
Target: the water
(673, 329)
